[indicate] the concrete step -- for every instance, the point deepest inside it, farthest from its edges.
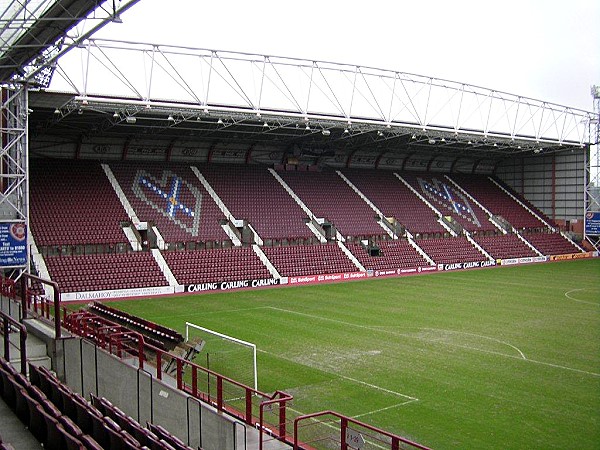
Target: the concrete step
(35, 346)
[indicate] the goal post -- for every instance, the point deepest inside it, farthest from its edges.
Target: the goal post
(226, 355)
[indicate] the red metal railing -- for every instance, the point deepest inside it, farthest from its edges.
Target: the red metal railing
(327, 429)
(36, 301)
(7, 287)
(7, 322)
(251, 406)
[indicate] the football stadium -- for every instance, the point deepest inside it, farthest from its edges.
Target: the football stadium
(207, 249)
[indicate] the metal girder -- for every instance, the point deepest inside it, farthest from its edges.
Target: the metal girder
(14, 182)
(284, 88)
(592, 169)
(34, 34)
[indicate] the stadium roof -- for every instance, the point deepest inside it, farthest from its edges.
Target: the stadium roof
(129, 90)
(132, 90)
(34, 33)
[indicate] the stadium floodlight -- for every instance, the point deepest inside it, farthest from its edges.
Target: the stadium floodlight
(595, 91)
(116, 115)
(171, 118)
(131, 120)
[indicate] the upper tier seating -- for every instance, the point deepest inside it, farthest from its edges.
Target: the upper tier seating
(228, 264)
(253, 194)
(80, 273)
(504, 246)
(397, 254)
(394, 199)
(497, 201)
(551, 243)
(171, 196)
(328, 196)
(449, 250)
(309, 260)
(72, 202)
(449, 200)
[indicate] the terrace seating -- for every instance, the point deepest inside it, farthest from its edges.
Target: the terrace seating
(80, 273)
(72, 202)
(504, 246)
(328, 196)
(155, 436)
(551, 243)
(317, 259)
(497, 201)
(450, 201)
(173, 198)
(394, 199)
(397, 254)
(228, 264)
(76, 423)
(253, 194)
(450, 250)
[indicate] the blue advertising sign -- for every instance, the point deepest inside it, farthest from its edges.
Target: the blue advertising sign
(592, 223)
(13, 244)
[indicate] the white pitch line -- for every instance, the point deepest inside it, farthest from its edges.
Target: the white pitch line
(383, 409)
(379, 328)
(479, 336)
(520, 357)
(577, 300)
(354, 380)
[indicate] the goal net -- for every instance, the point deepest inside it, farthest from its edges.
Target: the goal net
(223, 354)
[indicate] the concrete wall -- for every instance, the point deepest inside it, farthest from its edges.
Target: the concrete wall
(89, 370)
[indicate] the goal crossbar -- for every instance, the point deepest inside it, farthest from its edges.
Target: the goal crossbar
(250, 345)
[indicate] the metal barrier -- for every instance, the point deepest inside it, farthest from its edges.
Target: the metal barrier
(225, 394)
(30, 299)
(7, 322)
(328, 429)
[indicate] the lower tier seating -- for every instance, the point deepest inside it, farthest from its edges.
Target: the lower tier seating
(80, 273)
(450, 250)
(395, 254)
(309, 259)
(504, 246)
(228, 264)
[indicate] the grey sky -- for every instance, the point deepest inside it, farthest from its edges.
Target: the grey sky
(544, 49)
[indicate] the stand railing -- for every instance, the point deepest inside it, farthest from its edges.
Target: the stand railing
(266, 412)
(38, 302)
(7, 323)
(329, 429)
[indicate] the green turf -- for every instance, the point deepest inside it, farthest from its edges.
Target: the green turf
(507, 357)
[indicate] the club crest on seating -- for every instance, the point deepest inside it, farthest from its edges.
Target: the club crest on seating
(172, 196)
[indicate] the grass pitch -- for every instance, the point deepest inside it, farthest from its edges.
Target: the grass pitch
(496, 358)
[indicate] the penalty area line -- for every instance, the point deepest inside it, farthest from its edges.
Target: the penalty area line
(344, 377)
(520, 357)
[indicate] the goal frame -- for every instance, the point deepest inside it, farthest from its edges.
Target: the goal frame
(226, 337)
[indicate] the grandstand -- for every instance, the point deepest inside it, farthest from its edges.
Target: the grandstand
(125, 195)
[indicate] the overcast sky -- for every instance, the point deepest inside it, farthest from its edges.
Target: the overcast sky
(543, 49)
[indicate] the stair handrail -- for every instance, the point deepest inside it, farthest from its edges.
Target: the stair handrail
(6, 321)
(56, 295)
